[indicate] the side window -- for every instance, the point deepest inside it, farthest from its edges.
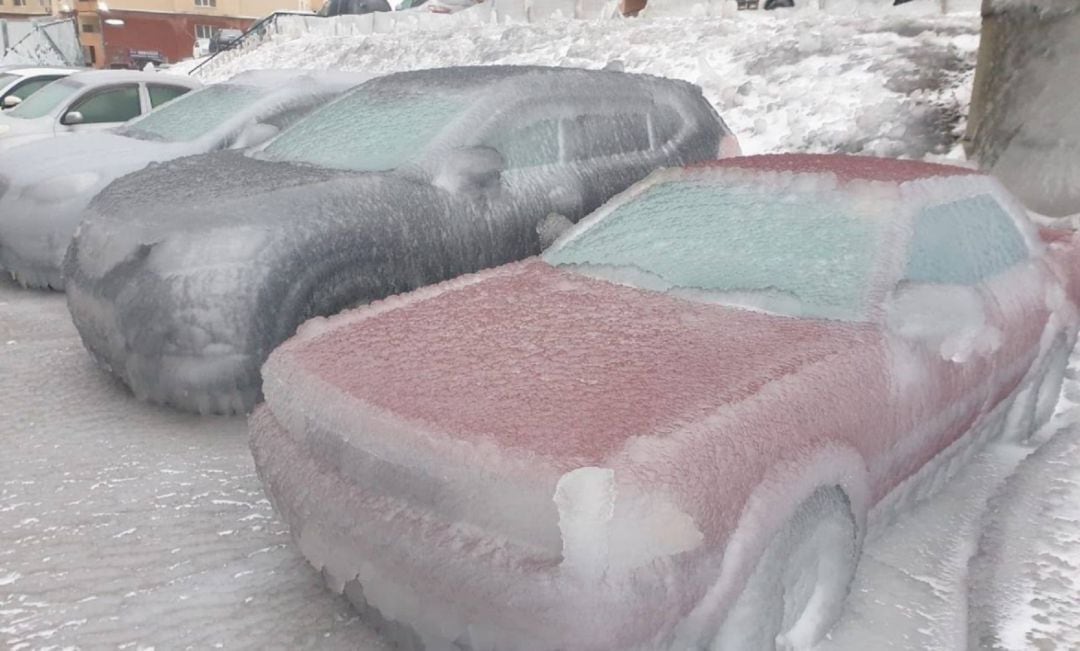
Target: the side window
(28, 88)
(596, 136)
(963, 242)
(530, 145)
(664, 123)
(118, 104)
(160, 94)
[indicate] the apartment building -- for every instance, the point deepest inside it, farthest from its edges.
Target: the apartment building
(128, 33)
(24, 9)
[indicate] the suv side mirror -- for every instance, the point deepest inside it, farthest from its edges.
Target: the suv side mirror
(470, 169)
(254, 134)
(11, 101)
(72, 118)
(950, 319)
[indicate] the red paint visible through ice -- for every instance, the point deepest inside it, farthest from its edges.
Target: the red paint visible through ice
(846, 168)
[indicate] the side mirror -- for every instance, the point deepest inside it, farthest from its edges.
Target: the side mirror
(949, 319)
(470, 169)
(254, 134)
(551, 228)
(12, 101)
(72, 118)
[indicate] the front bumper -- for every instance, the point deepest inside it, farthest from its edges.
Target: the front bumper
(449, 582)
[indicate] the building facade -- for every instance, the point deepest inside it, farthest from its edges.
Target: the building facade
(130, 33)
(24, 9)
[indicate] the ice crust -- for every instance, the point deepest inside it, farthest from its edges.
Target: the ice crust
(48, 185)
(534, 457)
(184, 276)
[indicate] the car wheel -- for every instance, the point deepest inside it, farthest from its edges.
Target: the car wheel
(798, 587)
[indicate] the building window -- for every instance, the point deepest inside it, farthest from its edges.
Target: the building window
(88, 28)
(19, 3)
(198, 3)
(204, 31)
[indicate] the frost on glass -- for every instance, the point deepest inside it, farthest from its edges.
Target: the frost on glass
(809, 253)
(196, 114)
(368, 133)
(186, 275)
(962, 242)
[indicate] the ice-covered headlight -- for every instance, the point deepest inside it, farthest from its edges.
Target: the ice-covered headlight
(60, 188)
(182, 254)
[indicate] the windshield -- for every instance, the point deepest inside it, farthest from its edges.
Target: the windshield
(367, 131)
(7, 78)
(809, 257)
(45, 100)
(195, 114)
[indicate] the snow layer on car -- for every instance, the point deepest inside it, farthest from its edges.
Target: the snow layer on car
(560, 441)
(185, 275)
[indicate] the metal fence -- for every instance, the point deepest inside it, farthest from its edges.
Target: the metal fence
(50, 42)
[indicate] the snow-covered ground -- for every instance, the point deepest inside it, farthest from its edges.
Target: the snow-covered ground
(884, 85)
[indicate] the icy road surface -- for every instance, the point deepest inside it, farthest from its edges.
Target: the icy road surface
(124, 525)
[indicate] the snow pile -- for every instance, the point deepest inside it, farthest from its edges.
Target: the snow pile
(888, 85)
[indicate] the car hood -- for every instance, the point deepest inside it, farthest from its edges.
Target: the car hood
(107, 153)
(544, 363)
(16, 131)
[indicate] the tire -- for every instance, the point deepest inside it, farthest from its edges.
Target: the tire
(799, 585)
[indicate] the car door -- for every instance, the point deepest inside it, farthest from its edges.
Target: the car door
(950, 335)
(102, 108)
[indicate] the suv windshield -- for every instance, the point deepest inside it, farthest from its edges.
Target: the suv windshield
(194, 114)
(738, 246)
(45, 100)
(367, 131)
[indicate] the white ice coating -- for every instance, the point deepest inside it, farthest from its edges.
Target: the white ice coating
(46, 186)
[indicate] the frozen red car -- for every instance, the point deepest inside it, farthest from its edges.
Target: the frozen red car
(674, 428)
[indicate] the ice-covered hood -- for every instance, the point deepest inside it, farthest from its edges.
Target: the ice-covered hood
(192, 203)
(550, 363)
(16, 131)
(104, 152)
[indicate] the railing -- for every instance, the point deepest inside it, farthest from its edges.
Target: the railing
(44, 42)
(254, 36)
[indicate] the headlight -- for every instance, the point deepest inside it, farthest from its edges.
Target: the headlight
(60, 188)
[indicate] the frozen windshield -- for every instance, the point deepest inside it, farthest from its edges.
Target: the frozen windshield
(45, 100)
(806, 256)
(366, 131)
(195, 114)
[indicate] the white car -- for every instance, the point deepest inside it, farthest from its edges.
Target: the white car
(19, 82)
(89, 101)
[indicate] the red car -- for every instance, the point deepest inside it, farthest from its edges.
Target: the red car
(676, 426)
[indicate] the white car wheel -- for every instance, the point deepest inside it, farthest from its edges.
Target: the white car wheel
(799, 585)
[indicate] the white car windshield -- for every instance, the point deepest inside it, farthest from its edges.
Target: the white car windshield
(806, 257)
(195, 114)
(368, 132)
(45, 100)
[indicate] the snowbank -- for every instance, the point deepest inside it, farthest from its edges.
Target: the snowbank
(796, 81)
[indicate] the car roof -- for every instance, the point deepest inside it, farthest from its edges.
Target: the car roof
(29, 71)
(475, 78)
(846, 168)
(98, 77)
(274, 79)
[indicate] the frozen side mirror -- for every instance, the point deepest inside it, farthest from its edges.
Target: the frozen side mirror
(12, 101)
(254, 134)
(72, 118)
(950, 319)
(471, 169)
(551, 228)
